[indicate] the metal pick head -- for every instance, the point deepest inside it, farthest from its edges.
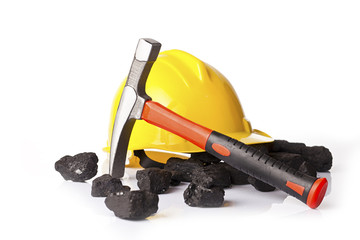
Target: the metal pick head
(131, 103)
(147, 50)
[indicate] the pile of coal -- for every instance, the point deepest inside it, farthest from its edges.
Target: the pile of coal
(318, 156)
(78, 168)
(207, 186)
(237, 177)
(208, 177)
(214, 175)
(154, 180)
(308, 169)
(285, 146)
(105, 185)
(133, 205)
(182, 169)
(205, 158)
(199, 196)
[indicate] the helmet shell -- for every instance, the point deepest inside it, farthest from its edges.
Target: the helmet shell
(196, 91)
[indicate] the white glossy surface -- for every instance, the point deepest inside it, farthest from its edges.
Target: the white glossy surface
(294, 65)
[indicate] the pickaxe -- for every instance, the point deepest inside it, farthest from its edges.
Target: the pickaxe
(135, 104)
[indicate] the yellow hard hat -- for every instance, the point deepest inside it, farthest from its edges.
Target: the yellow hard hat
(196, 91)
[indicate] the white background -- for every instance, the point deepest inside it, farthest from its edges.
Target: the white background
(294, 64)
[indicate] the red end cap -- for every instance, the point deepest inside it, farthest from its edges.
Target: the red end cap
(317, 193)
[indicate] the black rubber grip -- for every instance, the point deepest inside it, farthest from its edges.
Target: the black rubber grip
(259, 165)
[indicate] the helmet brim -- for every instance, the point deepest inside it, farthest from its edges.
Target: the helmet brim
(256, 137)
